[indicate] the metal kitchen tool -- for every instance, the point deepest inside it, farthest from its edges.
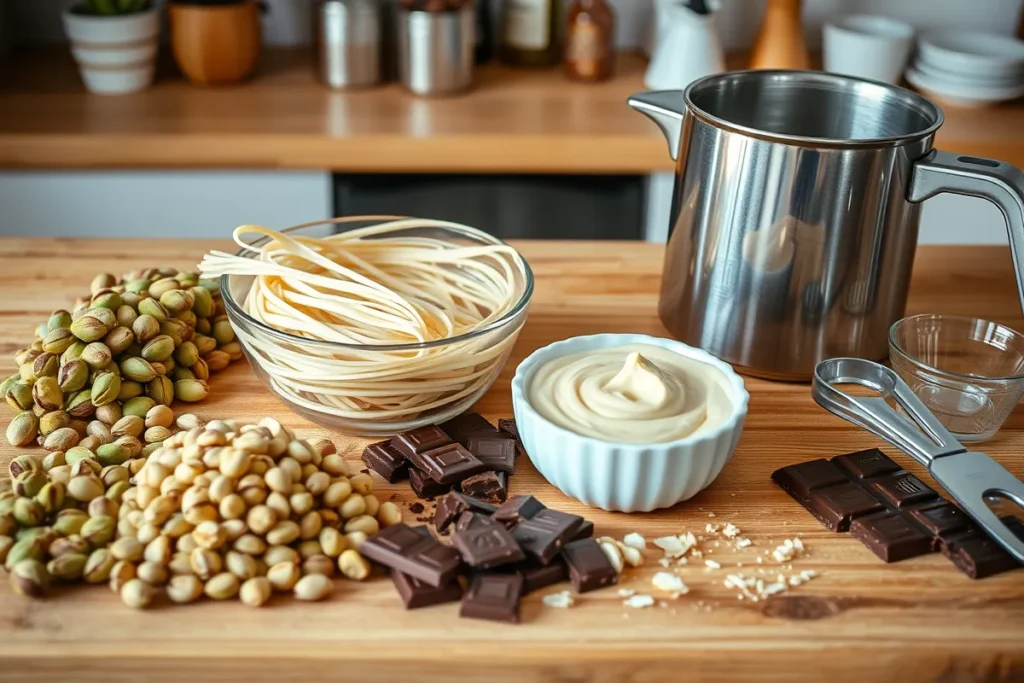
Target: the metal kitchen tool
(969, 477)
(436, 50)
(795, 213)
(348, 39)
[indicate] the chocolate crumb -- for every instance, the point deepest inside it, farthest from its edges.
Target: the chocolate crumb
(416, 508)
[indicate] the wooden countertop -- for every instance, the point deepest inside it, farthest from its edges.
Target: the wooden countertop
(860, 620)
(515, 121)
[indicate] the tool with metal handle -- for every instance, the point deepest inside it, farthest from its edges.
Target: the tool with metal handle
(969, 477)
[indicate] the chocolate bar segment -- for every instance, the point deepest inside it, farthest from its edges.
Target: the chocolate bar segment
(486, 544)
(537, 576)
(903, 490)
(891, 536)
(386, 460)
(425, 487)
(585, 530)
(494, 597)
(800, 479)
(508, 425)
(497, 452)
(419, 441)
(836, 506)
(518, 509)
(491, 487)
(411, 552)
(416, 594)
(941, 520)
(461, 427)
(589, 567)
(454, 504)
(977, 555)
(543, 535)
(866, 464)
(448, 464)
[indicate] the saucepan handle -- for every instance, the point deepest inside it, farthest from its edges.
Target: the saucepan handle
(1001, 184)
(924, 439)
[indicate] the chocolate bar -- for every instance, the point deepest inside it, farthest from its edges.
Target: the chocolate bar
(799, 480)
(977, 555)
(386, 460)
(416, 594)
(447, 464)
(867, 464)
(494, 597)
(497, 452)
(903, 490)
(518, 509)
(537, 576)
(411, 552)
(589, 567)
(543, 535)
(891, 536)
(836, 506)
(425, 487)
(491, 487)
(461, 427)
(508, 425)
(454, 504)
(485, 544)
(941, 520)
(419, 440)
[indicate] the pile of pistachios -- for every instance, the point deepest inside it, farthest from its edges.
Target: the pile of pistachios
(144, 340)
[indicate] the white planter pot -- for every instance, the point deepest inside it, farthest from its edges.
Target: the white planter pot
(115, 54)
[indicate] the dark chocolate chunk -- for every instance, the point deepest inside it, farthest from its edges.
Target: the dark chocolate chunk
(416, 508)
(941, 521)
(385, 460)
(497, 452)
(537, 576)
(544, 534)
(585, 530)
(517, 509)
(800, 479)
(416, 594)
(494, 597)
(903, 490)
(419, 440)
(589, 567)
(891, 536)
(470, 520)
(835, 506)
(461, 427)
(425, 487)
(485, 544)
(508, 425)
(448, 464)
(412, 552)
(491, 487)
(454, 504)
(866, 464)
(977, 555)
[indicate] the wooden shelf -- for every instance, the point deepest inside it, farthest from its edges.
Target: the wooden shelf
(514, 121)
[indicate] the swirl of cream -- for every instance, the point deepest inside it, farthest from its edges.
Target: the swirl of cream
(630, 394)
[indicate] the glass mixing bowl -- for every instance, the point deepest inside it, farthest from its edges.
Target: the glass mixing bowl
(482, 353)
(969, 372)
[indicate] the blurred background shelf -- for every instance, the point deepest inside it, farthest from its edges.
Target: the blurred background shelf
(514, 121)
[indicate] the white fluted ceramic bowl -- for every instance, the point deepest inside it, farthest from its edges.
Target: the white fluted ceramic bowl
(618, 476)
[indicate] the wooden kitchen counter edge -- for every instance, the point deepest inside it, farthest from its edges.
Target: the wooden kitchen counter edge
(514, 121)
(860, 619)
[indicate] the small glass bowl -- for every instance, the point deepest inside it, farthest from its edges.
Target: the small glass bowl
(968, 372)
(491, 345)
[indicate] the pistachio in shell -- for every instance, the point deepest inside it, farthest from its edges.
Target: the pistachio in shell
(67, 567)
(28, 484)
(73, 375)
(70, 521)
(233, 349)
(30, 579)
(223, 332)
(105, 316)
(23, 429)
(72, 352)
(27, 512)
(119, 339)
(88, 328)
(158, 349)
(204, 344)
(23, 463)
(57, 320)
(106, 388)
(177, 330)
(139, 405)
(165, 284)
(46, 365)
(145, 327)
(47, 394)
(153, 309)
(52, 421)
(108, 299)
(26, 372)
(96, 355)
(203, 326)
(58, 340)
(102, 281)
(98, 565)
(182, 373)
(61, 439)
(130, 389)
(191, 390)
(137, 369)
(51, 460)
(217, 360)
(110, 413)
(19, 395)
(202, 304)
(80, 404)
(137, 285)
(187, 354)
(161, 390)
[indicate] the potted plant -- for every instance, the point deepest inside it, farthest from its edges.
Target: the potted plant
(215, 42)
(114, 43)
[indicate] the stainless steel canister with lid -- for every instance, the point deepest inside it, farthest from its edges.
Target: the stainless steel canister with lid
(348, 38)
(436, 50)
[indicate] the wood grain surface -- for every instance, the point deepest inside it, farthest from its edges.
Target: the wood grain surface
(860, 620)
(514, 121)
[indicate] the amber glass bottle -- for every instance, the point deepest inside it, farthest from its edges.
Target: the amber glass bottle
(589, 40)
(530, 33)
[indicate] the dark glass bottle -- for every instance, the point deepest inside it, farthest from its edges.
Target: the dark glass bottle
(589, 40)
(530, 33)
(484, 31)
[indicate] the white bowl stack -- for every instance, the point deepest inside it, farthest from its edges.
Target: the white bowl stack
(967, 69)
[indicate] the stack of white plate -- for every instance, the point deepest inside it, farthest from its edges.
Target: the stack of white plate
(968, 69)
